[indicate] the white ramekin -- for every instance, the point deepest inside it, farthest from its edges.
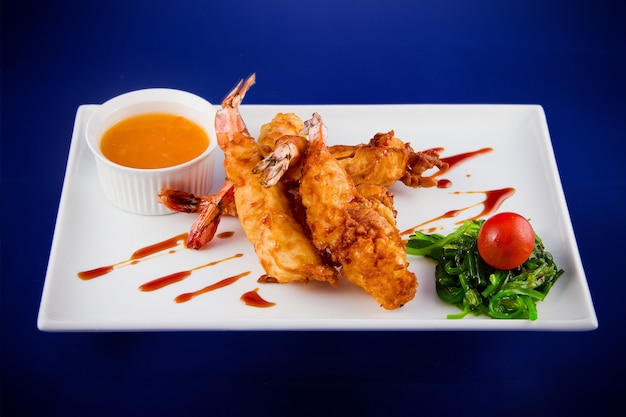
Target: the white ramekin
(136, 190)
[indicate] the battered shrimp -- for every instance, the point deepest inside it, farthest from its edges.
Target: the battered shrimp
(386, 160)
(383, 161)
(186, 202)
(281, 144)
(280, 242)
(381, 198)
(355, 233)
(283, 124)
(210, 209)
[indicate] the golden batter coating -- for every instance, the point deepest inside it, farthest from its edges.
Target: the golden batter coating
(280, 242)
(283, 124)
(350, 228)
(384, 160)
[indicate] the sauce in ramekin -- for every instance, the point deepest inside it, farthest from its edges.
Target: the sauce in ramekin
(153, 140)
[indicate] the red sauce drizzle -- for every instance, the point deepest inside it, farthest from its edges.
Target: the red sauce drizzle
(183, 298)
(253, 299)
(93, 273)
(135, 257)
(179, 276)
(453, 161)
(493, 200)
(266, 279)
(165, 281)
(444, 183)
(225, 235)
(158, 247)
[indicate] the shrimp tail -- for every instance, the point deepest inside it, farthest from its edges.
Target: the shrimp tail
(315, 129)
(228, 116)
(181, 201)
(204, 227)
(275, 165)
(235, 97)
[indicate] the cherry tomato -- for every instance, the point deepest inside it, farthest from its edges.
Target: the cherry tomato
(506, 240)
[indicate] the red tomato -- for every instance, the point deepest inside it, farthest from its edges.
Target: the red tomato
(506, 240)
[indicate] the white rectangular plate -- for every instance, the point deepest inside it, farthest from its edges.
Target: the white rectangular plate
(92, 233)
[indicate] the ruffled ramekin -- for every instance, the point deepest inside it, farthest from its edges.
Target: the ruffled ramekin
(136, 190)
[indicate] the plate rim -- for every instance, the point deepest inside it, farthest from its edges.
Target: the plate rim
(47, 323)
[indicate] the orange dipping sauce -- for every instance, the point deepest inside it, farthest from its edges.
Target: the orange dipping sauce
(153, 140)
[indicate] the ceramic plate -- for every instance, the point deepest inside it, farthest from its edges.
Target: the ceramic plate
(511, 150)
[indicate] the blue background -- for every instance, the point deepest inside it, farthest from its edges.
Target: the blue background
(569, 57)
